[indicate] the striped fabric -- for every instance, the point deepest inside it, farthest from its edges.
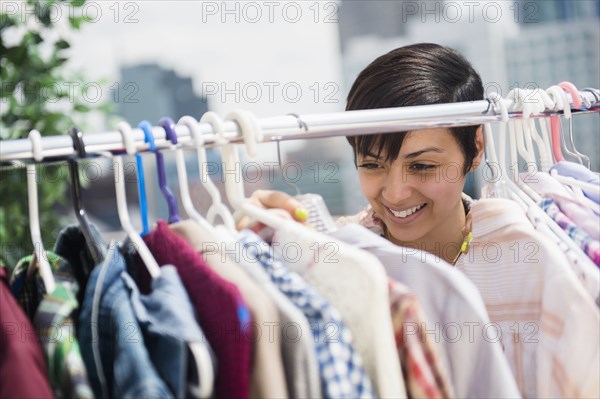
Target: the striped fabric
(421, 366)
(590, 246)
(547, 323)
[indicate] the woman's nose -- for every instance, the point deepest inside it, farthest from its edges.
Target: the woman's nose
(396, 189)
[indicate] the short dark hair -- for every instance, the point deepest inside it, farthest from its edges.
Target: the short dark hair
(418, 74)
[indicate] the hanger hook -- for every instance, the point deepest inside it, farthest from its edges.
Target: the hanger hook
(126, 135)
(77, 137)
(577, 104)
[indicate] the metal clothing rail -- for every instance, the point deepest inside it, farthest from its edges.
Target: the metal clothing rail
(294, 127)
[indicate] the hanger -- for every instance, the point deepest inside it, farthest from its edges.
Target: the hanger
(34, 216)
(94, 248)
(141, 182)
(558, 138)
(160, 166)
(235, 187)
(556, 94)
(217, 208)
(519, 131)
(132, 234)
(577, 104)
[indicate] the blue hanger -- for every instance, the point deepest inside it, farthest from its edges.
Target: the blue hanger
(148, 138)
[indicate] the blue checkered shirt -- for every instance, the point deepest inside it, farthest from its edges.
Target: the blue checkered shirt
(342, 372)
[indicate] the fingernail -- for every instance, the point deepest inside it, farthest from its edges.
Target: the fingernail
(301, 214)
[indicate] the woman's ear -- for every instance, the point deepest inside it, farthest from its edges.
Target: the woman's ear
(480, 148)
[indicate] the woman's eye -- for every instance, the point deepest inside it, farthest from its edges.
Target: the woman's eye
(421, 167)
(369, 166)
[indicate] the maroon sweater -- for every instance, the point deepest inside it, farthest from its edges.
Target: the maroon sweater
(22, 364)
(220, 309)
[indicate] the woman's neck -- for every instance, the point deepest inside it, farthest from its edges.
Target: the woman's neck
(446, 240)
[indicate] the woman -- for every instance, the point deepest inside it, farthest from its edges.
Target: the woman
(413, 181)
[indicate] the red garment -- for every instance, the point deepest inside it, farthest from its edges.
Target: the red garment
(219, 307)
(22, 365)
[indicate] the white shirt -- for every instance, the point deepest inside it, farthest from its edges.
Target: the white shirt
(455, 314)
(355, 283)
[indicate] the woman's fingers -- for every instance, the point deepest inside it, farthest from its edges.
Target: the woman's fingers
(276, 201)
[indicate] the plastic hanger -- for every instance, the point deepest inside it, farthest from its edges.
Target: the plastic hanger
(217, 207)
(235, 187)
(577, 104)
(519, 129)
(34, 216)
(95, 250)
(546, 153)
(558, 138)
(141, 182)
(160, 165)
(556, 94)
(132, 234)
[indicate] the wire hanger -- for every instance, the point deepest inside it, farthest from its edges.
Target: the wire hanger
(132, 234)
(95, 249)
(34, 216)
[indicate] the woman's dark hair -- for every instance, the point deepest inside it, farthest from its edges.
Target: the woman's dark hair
(419, 74)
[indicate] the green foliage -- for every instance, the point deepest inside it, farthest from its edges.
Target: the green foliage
(36, 93)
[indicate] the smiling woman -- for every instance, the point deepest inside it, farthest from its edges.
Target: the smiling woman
(414, 180)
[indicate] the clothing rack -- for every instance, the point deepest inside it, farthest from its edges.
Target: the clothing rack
(294, 127)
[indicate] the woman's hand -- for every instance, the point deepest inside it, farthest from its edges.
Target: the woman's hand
(279, 202)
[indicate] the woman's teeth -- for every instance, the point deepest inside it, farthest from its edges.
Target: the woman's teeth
(407, 212)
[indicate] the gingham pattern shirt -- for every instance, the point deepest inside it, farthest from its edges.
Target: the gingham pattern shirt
(342, 371)
(590, 246)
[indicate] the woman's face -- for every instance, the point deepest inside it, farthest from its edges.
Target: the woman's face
(418, 196)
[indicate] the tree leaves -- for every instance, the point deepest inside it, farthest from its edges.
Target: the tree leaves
(31, 85)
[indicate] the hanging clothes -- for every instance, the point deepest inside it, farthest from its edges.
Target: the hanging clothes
(23, 371)
(519, 275)
(221, 311)
(112, 343)
(421, 366)
(268, 377)
(334, 269)
(342, 371)
(54, 316)
(581, 173)
(452, 304)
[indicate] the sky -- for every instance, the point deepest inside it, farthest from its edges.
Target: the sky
(268, 57)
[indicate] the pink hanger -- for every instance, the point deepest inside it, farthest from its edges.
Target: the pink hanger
(555, 126)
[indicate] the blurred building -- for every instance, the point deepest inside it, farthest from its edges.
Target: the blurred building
(523, 43)
(150, 92)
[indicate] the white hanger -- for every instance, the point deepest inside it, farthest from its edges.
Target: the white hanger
(547, 160)
(186, 199)
(235, 188)
(217, 207)
(519, 130)
(134, 236)
(34, 216)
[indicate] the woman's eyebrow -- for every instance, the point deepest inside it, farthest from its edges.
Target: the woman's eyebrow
(428, 149)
